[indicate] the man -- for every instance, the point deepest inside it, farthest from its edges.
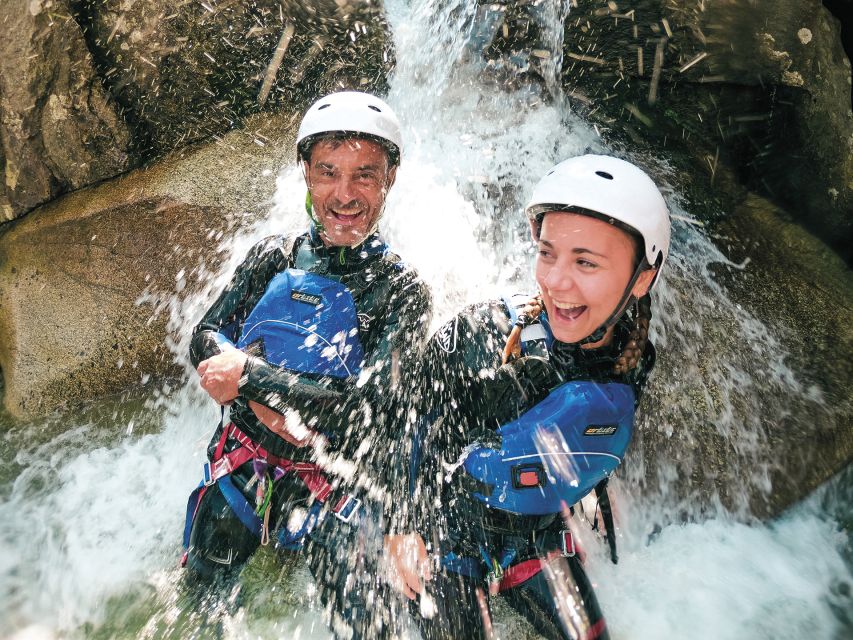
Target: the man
(307, 344)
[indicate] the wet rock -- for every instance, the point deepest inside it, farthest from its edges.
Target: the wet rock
(189, 70)
(82, 278)
(59, 129)
(762, 87)
(753, 429)
(796, 284)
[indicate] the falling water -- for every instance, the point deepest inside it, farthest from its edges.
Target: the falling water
(92, 504)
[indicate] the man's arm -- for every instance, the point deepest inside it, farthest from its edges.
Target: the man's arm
(221, 324)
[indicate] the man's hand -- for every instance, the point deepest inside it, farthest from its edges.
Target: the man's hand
(296, 434)
(407, 562)
(221, 373)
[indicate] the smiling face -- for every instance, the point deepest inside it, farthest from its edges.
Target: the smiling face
(583, 267)
(348, 181)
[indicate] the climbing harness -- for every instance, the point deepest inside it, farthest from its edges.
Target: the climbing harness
(268, 469)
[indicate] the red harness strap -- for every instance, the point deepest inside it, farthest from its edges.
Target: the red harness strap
(516, 574)
(225, 463)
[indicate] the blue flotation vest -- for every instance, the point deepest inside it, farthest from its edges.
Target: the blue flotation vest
(306, 323)
(559, 450)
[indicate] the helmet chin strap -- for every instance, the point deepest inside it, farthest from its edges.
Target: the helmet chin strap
(628, 299)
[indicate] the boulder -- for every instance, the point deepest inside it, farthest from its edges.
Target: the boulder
(82, 279)
(59, 129)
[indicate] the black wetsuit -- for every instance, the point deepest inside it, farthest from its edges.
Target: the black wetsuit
(394, 309)
(467, 396)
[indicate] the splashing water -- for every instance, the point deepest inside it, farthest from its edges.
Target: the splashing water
(93, 504)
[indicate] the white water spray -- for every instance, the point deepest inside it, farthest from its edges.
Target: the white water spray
(91, 519)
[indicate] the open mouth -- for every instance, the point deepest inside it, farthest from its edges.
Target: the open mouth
(569, 311)
(345, 217)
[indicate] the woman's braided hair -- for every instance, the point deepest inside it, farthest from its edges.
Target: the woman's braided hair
(631, 354)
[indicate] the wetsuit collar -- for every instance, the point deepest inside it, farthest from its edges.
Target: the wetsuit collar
(598, 361)
(372, 246)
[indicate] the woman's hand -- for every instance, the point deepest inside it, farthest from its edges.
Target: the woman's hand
(221, 373)
(296, 434)
(407, 562)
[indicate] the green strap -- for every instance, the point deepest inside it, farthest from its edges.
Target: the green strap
(267, 498)
(309, 209)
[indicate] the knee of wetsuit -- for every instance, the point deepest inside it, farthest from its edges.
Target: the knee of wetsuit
(219, 542)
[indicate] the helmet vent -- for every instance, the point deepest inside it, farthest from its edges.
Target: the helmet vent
(323, 106)
(604, 175)
(377, 109)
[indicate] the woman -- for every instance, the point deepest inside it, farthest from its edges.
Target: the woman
(531, 407)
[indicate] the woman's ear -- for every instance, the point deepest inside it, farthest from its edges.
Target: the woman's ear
(644, 281)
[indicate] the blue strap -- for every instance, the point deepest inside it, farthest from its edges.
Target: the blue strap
(473, 567)
(192, 505)
(240, 506)
(468, 567)
(510, 307)
(294, 540)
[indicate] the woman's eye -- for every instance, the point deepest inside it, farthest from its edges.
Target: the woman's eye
(587, 264)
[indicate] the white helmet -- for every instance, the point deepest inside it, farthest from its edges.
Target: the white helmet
(350, 112)
(611, 189)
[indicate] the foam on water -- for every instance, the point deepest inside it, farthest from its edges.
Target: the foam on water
(722, 579)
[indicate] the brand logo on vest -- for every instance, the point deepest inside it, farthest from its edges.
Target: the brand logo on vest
(600, 429)
(364, 321)
(309, 298)
(446, 336)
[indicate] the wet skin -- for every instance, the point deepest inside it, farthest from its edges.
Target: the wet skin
(583, 267)
(348, 181)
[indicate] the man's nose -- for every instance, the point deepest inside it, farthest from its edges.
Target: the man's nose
(344, 190)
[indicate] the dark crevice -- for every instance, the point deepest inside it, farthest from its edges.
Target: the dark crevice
(843, 10)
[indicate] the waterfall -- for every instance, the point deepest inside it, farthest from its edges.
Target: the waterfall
(92, 503)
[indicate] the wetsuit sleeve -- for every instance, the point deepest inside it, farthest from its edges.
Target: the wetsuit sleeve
(223, 320)
(448, 407)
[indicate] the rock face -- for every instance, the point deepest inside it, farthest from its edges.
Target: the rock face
(72, 272)
(59, 129)
(69, 286)
(91, 89)
(762, 87)
(185, 71)
(811, 309)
